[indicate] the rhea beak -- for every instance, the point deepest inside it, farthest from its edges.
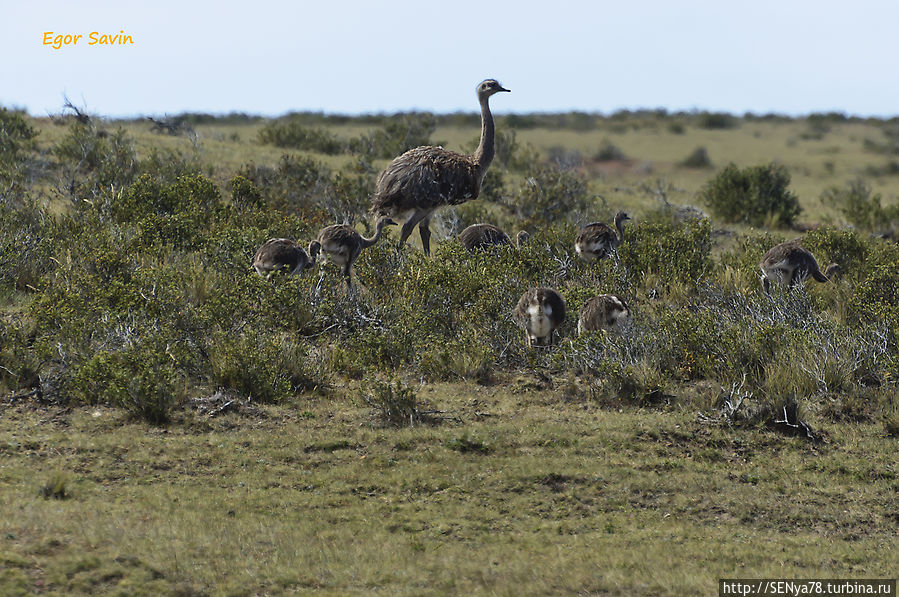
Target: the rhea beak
(504, 89)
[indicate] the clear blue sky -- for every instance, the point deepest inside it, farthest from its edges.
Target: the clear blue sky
(270, 57)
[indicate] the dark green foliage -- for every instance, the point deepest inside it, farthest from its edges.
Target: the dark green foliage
(677, 251)
(244, 193)
(890, 144)
(756, 195)
(698, 159)
(260, 365)
(56, 487)
(716, 120)
(296, 186)
(844, 247)
(167, 165)
(294, 135)
(818, 126)
(140, 377)
(608, 152)
(877, 296)
(24, 247)
(16, 135)
(19, 367)
(861, 207)
(465, 445)
(16, 142)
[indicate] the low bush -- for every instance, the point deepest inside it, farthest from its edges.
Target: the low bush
(861, 207)
(548, 194)
(95, 162)
(716, 120)
(393, 401)
(296, 136)
(698, 159)
(757, 195)
(400, 134)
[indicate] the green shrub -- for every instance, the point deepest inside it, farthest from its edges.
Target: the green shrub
(861, 207)
(608, 152)
(296, 186)
(16, 141)
(19, 365)
(260, 365)
(140, 378)
(27, 235)
(294, 135)
(166, 166)
(674, 251)
(395, 403)
(401, 133)
(244, 193)
(844, 247)
(698, 159)
(96, 162)
(716, 120)
(548, 194)
(16, 135)
(876, 298)
(756, 195)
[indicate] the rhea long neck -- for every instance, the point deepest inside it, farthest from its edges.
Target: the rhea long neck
(367, 242)
(619, 224)
(483, 155)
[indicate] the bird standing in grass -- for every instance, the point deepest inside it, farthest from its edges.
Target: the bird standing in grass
(789, 264)
(343, 245)
(418, 182)
(604, 312)
(539, 311)
(598, 240)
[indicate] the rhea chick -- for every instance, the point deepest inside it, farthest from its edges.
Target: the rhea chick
(483, 236)
(539, 311)
(604, 312)
(789, 264)
(597, 240)
(284, 255)
(342, 244)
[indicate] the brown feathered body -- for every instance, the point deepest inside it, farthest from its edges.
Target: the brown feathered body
(790, 264)
(604, 312)
(539, 311)
(284, 255)
(425, 178)
(484, 236)
(342, 244)
(597, 240)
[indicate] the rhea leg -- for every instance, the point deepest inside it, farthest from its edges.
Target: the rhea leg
(347, 273)
(425, 231)
(416, 217)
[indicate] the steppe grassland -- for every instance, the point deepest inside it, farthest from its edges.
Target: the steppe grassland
(527, 484)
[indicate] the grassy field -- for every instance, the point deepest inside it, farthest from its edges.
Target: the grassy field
(171, 423)
(518, 490)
